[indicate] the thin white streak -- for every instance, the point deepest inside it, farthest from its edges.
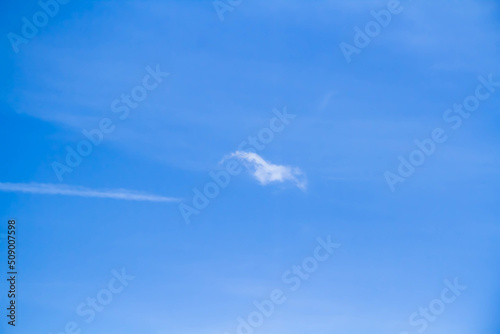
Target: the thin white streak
(56, 189)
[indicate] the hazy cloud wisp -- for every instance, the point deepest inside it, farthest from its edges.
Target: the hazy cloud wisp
(266, 172)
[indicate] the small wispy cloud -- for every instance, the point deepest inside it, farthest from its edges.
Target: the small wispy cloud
(266, 172)
(326, 99)
(57, 189)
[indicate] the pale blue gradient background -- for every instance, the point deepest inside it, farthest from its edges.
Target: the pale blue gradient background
(353, 120)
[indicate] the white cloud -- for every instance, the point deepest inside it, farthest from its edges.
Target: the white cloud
(266, 172)
(56, 189)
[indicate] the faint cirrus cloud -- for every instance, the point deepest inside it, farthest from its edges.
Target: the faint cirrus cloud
(65, 190)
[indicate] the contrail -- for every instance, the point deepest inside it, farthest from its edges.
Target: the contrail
(57, 189)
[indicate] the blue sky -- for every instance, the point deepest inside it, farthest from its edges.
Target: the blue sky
(226, 78)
